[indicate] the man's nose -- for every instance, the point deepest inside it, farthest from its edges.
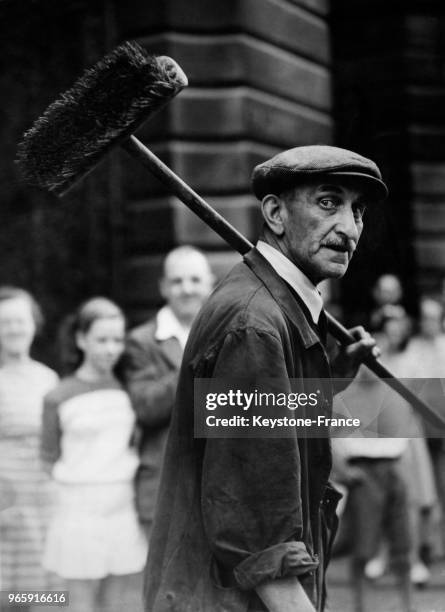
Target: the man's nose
(347, 224)
(187, 286)
(14, 328)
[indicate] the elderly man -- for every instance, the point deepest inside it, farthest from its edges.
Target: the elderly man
(246, 524)
(152, 361)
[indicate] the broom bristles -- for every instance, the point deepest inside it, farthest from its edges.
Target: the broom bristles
(106, 105)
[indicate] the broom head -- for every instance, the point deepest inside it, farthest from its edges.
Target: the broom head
(105, 106)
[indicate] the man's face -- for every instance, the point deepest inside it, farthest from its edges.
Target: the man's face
(388, 290)
(396, 332)
(323, 223)
(17, 326)
(186, 284)
(431, 315)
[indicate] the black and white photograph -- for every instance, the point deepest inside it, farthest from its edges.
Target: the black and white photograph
(222, 306)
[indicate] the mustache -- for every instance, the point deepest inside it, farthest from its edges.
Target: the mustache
(340, 245)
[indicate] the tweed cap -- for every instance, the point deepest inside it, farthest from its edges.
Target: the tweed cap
(292, 167)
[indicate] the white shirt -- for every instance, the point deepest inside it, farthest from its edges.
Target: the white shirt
(295, 277)
(372, 448)
(168, 326)
(425, 357)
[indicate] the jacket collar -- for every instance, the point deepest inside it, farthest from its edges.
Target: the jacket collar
(294, 277)
(282, 295)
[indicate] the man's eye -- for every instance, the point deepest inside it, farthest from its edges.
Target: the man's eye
(327, 203)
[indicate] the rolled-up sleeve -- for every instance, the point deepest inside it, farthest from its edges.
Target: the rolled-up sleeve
(268, 564)
(251, 497)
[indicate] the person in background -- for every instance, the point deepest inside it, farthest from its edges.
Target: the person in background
(426, 350)
(370, 467)
(152, 361)
(387, 293)
(94, 540)
(425, 359)
(25, 489)
(416, 466)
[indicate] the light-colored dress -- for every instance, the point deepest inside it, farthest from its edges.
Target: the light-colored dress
(25, 489)
(87, 428)
(417, 362)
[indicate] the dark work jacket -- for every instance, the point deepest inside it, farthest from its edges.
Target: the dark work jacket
(151, 368)
(229, 509)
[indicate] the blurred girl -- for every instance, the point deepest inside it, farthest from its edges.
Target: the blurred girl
(24, 486)
(94, 541)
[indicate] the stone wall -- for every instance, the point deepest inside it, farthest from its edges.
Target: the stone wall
(259, 73)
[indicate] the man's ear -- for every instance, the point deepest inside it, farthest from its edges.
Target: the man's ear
(79, 339)
(274, 213)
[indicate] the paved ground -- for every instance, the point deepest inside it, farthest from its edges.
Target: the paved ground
(383, 597)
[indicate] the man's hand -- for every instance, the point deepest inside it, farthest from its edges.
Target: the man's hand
(349, 358)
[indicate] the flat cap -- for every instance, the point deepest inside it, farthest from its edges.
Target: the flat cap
(292, 167)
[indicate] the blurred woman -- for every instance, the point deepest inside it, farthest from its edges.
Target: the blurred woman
(394, 341)
(95, 541)
(425, 362)
(24, 486)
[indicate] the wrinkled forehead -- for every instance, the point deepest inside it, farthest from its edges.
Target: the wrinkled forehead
(350, 187)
